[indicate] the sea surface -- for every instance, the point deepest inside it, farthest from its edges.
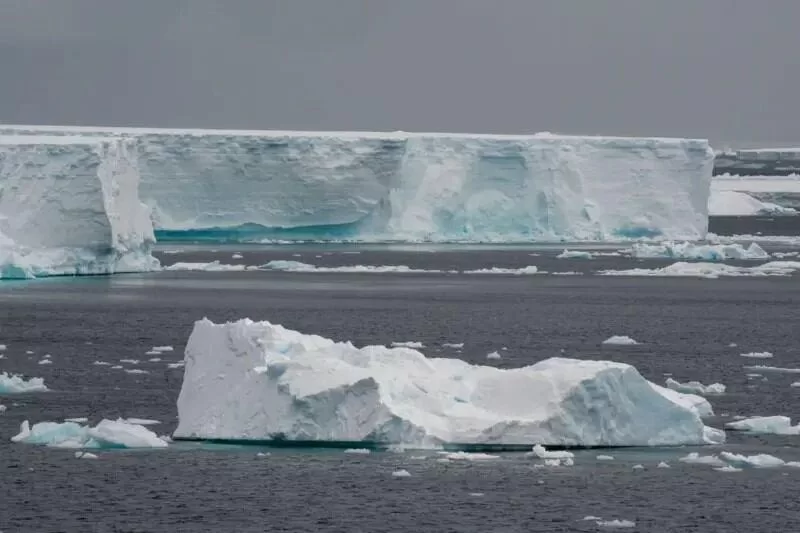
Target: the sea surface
(686, 328)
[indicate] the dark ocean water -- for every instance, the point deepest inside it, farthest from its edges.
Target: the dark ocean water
(686, 327)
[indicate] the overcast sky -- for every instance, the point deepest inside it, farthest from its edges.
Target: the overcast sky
(723, 69)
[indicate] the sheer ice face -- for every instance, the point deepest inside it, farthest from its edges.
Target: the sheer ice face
(258, 381)
(70, 205)
(425, 186)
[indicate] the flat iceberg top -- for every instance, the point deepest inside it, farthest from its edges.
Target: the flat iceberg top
(258, 381)
(392, 135)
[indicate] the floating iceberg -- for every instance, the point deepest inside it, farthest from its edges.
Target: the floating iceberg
(695, 387)
(250, 185)
(705, 252)
(70, 206)
(734, 203)
(774, 425)
(620, 340)
(710, 270)
(14, 384)
(258, 381)
(107, 434)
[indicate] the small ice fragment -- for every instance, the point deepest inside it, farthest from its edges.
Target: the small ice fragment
(357, 451)
(620, 340)
(795, 384)
(494, 356)
(605, 458)
(237, 256)
(695, 458)
(129, 361)
(476, 494)
(455, 345)
(28, 352)
(3, 408)
(591, 517)
(616, 523)
(154, 359)
(757, 355)
(3, 347)
(543, 453)
(85, 455)
(77, 420)
(728, 468)
(465, 456)
(47, 356)
(774, 425)
(116, 367)
(732, 345)
(136, 371)
(179, 364)
(574, 254)
(761, 460)
(45, 362)
(662, 464)
(15, 384)
(142, 421)
(638, 467)
(262, 454)
(401, 473)
(152, 352)
(101, 363)
(409, 344)
(162, 348)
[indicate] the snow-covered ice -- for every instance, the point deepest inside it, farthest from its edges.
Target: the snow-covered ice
(16, 384)
(695, 387)
(162, 349)
(213, 266)
(541, 452)
(616, 523)
(574, 254)
(711, 270)
(528, 270)
(775, 425)
(297, 266)
(620, 340)
(466, 456)
(408, 344)
(705, 252)
(70, 206)
(735, 203)
(694, 458)
(357, 451)
(777, 369)
(605, 457)
(85, 455)
(401, 473)
(761, 460)
(493, 356)
(106, 434)
(420, 186)
(454, 345)
(257, 381)
(663, 464)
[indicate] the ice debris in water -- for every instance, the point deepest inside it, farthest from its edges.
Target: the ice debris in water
(101, 363)
(638, 467)
(605, 457)
(77, 420)
(142, 421)
(663, 464)
(401, 473)
(774, 425)
(591, 517)
(466, 456)
(357, 451)
(710, 270)
(154, 359)
(237, 256)
(795, 384)
(16, 384)
(85, 455)
(136, 371)
(106, 434)
(728, 468)
(409, 344)
(620, 340)
(574, 254)
(616, 523)
(695, 458)
(757, 355)
(454, 345)
(162, 348)
(524, 271)
(705, 252)
(695, 387)
(179, 364)
(45, 362)
(3, 408)
(3, 347)
(493, 356)
(543, 453)
(129, 361)
(761, 460)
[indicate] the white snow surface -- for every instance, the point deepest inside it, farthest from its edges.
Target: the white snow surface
(420, 186)
(734, 203)
(106, 434)
(70, 206)
(710, 270)
(620, 340)
(16, 384)
(773, 425)
(705, 252)
(258, 381)
(695, 387)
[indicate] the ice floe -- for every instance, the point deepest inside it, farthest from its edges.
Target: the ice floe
(777, 369)
(16, 384)
(401, 473)
(106, 434)
(297, 266)
(524, 271)
(757, 355)
(710, 270)
(616, 523)
(409, 344)
(705, 252)
(357, 451)
(574, 254)
(695, 387)
(213, 266)
(774, 425)
(620, 340)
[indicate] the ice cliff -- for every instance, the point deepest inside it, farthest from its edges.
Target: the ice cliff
(258, 381)
(70, 205)
(406, 186)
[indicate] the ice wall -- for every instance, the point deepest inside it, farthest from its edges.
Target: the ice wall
(404, 186)
(70, 205)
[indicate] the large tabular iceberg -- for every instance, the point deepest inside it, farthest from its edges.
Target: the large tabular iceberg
(258, 381)
(70, 205)
(424, 186)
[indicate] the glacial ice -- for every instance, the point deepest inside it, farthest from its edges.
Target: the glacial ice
(773, 425)
(15, 384)
(106, 434)
(710, 270)
(705, 252)
(620, 340)
(416, 186)
(258, 381)
(695, 387)
(734, 203)
(70, 206)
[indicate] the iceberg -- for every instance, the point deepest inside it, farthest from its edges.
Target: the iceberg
(705, 252)
(695, 387)
(70, 206)
(106, 434)
(256, 381)
(735, 203)
(369, 186)
(774, 425)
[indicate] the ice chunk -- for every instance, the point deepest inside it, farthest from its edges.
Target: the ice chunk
(662, 464)
(728, 468)
(213, 266)
(14, 384)
(357, 451)
(493, 356)
(162, 348)
(795, 384)
(706, 252)
(101, 363)
(312, 388)
(605, 458)
(695, 458)
(154, 359)
(420, 186)
(77, 420)
(401, 473)
(465, 456)
(45, 362)
(107, 434)
(695, 387)
(616, 523)
(237, 256)
(3, 408)
(454, 345)
(775, 425)
(70, 206)
(543, 453)
(296, 266)
(524, 271)
(574, 254)
(734, 203)
(638, 467)
(85, 455)
(142, 421)
(620, 340)
(136, 371)
(409, 344)
(129, 361)
(757, 355)
(3, 347)
(761, 460)
(778, 369)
